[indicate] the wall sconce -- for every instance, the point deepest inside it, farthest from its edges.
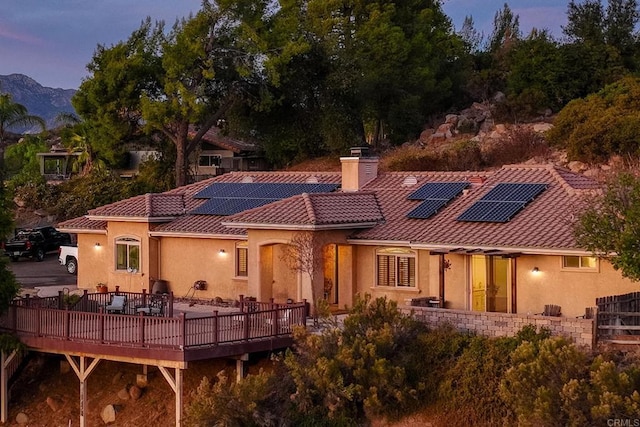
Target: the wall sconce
(222, 252)
(97, 245)
(535, 270)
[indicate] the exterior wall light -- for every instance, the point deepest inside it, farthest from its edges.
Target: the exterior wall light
(222, 252)
(97, 245)
(535, 270)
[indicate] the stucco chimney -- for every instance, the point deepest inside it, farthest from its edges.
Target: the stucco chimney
(358, 169)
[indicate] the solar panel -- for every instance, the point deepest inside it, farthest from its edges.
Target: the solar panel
(427, 208)
(228, 198)
(434, 196)
(502, 203)
(438, 190)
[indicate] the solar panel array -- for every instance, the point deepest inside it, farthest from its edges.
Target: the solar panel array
(502, 203)
(434, 196)
(228, 198)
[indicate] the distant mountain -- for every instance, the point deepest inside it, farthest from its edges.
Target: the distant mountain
(41, 101)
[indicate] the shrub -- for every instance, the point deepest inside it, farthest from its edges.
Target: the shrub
(520, 144)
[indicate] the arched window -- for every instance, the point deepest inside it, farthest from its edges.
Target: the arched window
(128, 254)
(396, 267)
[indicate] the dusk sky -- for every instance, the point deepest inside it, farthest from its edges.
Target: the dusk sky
(52, 41)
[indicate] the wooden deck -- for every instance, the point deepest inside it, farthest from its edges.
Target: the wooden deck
(259, 327)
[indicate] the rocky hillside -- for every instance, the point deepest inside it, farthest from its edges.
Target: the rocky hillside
(41, 101)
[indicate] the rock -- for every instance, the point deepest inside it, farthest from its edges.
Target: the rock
(605, 167)
(445, 129)
(117, 377)
(135, 392)
(500, 128)
(425, 135)
(576, 166)
(22, 418)
(108, 414)
(499, 97)
(451, 118)
(142, 380)
(542, 127)
(592, 173)
(53, 403)
(123, 394)
(64, 367)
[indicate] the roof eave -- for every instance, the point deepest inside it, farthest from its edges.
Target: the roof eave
(82, 230)
(185, 234)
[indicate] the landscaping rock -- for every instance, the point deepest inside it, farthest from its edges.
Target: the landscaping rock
(123, 394)
(135, 392)
(142, 380)
(22, 418)
(117, 377)
(53, 403)
(108, 414)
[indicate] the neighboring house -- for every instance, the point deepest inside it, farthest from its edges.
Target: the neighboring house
(481, 241)
(57, 164)
(219, 154)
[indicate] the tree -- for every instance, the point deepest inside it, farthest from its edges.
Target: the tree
(178, 84)
(304, 254)
(610, 226)
(13, 114)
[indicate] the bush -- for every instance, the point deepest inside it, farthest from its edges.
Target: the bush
(520, 144)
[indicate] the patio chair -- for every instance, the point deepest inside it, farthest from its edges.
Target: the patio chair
(283, 320)
(117, 304)
(155, 307)
(551, 310)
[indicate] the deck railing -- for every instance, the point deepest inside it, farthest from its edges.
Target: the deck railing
(153, 332)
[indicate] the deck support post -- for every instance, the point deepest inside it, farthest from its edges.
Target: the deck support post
(82, 372)
(175, 382)
(240, 366)
(4, 386)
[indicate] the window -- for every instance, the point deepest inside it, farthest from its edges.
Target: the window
(580, 262)
(396, 267)
(242, 255)
(128, 254)
(210, 160)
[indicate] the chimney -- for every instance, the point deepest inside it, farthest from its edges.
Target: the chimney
(358, 169)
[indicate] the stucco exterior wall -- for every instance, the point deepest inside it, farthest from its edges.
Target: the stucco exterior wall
(93, 261)
(128, 281)
(183, 261)
(573, 290)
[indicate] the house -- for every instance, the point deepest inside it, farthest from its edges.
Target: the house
(219, 154)
(499, 241)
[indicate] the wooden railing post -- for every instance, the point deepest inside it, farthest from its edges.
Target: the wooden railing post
(246, 326)
(170, 304)
(101, 312)
(117, 289)
(144, 297)
(241, 303)
(67, 324)
(141, 327)
(60, 298)
(275, 321)
(216, 330)
(183, 329)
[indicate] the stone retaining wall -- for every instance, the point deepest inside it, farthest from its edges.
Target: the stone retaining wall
(580, 331)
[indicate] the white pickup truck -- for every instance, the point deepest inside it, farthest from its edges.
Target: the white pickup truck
(68, 256)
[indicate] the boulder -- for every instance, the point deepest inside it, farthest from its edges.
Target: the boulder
(22, 418)
(135, 392)
(123, 394)
(53, 403)
(451, 118)
(576, 166)
(108, 414)
(142, 380)
(542, 127)
(117, 377)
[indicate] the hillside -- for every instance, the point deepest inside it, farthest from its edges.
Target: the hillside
(40, 101)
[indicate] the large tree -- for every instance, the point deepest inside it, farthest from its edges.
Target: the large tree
(610, 226)
(178, 83)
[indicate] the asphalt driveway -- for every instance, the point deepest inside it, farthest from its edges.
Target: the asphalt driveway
(46, 273)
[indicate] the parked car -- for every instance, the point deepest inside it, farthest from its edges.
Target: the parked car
(68, 256)
(35, 243)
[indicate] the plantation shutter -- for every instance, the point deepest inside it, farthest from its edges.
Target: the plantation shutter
(386, 270)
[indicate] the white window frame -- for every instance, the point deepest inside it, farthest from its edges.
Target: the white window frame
(211, 163)
(242, 247)
(397, 257)
(128, 243)
(580, 266)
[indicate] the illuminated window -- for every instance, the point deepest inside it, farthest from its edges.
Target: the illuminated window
(580, 262)
(396, 267)
(242, 255)
(128, 254)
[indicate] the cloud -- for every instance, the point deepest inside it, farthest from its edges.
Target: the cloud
(7, 33)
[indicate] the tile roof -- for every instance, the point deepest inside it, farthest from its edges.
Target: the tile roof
(145, 206)
(213, 137)
(316, 209)
(81, 224)
(545, 223)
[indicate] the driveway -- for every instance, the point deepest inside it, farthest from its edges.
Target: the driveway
(31, 274)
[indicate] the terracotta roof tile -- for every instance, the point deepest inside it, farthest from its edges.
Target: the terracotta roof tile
(544, 223)
(82, 223)
(315, 209)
